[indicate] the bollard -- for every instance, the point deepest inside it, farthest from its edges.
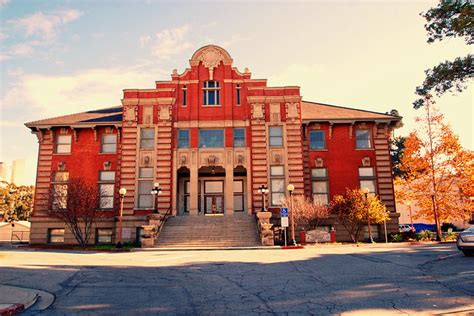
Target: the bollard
(333, 235)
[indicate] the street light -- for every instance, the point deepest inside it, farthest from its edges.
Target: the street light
(156, 191)
(263, 190)
(366, 194)
(411, 217)
(290, 189)
(122, 193)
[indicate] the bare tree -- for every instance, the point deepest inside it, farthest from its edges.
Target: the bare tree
(307, 213)
(75, 203)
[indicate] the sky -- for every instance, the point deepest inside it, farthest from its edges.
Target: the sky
(62, 57)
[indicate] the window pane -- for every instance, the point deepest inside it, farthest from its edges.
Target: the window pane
(183, 138)
(63, 149)
(277, 198)
(56, 235)
(145, 173)
(109, 148)
(145, 187)
(64, 139)
(319, 173)
(107, 176)
(238, 186)
(239, 137)
(277, 171)
(238, 203)
(146, 143)
(320, 187)
(109, 139)
(106, 189)
(214, 187)
(147, 133)
(320, 198)
(145, 201)
(211, 138)
(276, 131)
(370, 184)
(366, 172)
(107, 202)
(362, 138)
(317, 140)
(375, 231)
(278, 185)
(211, 97)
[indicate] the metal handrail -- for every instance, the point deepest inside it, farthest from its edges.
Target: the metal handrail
(164, 219)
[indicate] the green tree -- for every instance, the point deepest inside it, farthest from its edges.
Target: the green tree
(16, 202)
(450, 19)
(353, 210)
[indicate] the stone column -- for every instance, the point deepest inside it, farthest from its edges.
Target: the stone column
(193, 190)
(229, 184)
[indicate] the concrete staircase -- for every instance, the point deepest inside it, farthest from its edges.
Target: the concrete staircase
(239, 230)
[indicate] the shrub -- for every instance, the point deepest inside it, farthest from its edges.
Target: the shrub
(425, 235)
(450, 236)
(397, 237)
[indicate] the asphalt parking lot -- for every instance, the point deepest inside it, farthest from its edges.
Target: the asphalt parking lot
(320, 280)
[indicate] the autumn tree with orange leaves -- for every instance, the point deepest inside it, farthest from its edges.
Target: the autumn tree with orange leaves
(438, 171)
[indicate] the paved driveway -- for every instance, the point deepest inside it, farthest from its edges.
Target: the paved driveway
(391, 279)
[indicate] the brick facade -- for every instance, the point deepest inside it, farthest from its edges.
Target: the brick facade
(196, 179)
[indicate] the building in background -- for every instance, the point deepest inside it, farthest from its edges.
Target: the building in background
(210, 136)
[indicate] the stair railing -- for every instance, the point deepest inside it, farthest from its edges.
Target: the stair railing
(164, 219)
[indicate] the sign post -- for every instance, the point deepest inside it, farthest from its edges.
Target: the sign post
(284, 220)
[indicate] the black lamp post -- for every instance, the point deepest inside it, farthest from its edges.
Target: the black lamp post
(290, 189)
(263, 190)
(156, 191)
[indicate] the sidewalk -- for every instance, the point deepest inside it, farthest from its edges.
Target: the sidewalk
(14, 299)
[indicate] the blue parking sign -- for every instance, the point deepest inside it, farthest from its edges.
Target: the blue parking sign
(284, 212)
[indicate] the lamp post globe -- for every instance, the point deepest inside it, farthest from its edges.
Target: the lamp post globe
(122, 193)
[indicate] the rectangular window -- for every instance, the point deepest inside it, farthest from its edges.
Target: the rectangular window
(147, 136)
(317, 140)
(145, 173)
(277, 184)
(59, 183)
(370, 184)
(276, 136)
(238, 94)
(213, 186)
(238, 195)
(374, 230)
(55, 235)
(104, 235)
(185, 95)
(145, 198)
(63, 144)
(211, 93)
(109, 143)
(320, 186)
(239, 137)
(106, 189)
(212, 138)
(183, 138)
(366, 172)
(363, 140)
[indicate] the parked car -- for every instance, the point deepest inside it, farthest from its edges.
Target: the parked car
(465, 241)
(404, 228)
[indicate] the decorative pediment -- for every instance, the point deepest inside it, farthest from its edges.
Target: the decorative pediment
(211, 56)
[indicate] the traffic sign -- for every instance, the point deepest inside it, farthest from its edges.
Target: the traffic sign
(284, 221)
(284, 212)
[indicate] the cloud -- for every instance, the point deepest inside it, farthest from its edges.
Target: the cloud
(48, 96)
(168, 42)
(4, 3)
(45, 25)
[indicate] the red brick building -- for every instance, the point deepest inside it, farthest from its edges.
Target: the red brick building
(210, 136)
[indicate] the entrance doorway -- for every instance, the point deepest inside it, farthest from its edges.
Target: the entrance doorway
(214, 196)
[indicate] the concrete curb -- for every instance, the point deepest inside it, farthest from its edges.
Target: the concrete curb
(11, 309)
(14, 299)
